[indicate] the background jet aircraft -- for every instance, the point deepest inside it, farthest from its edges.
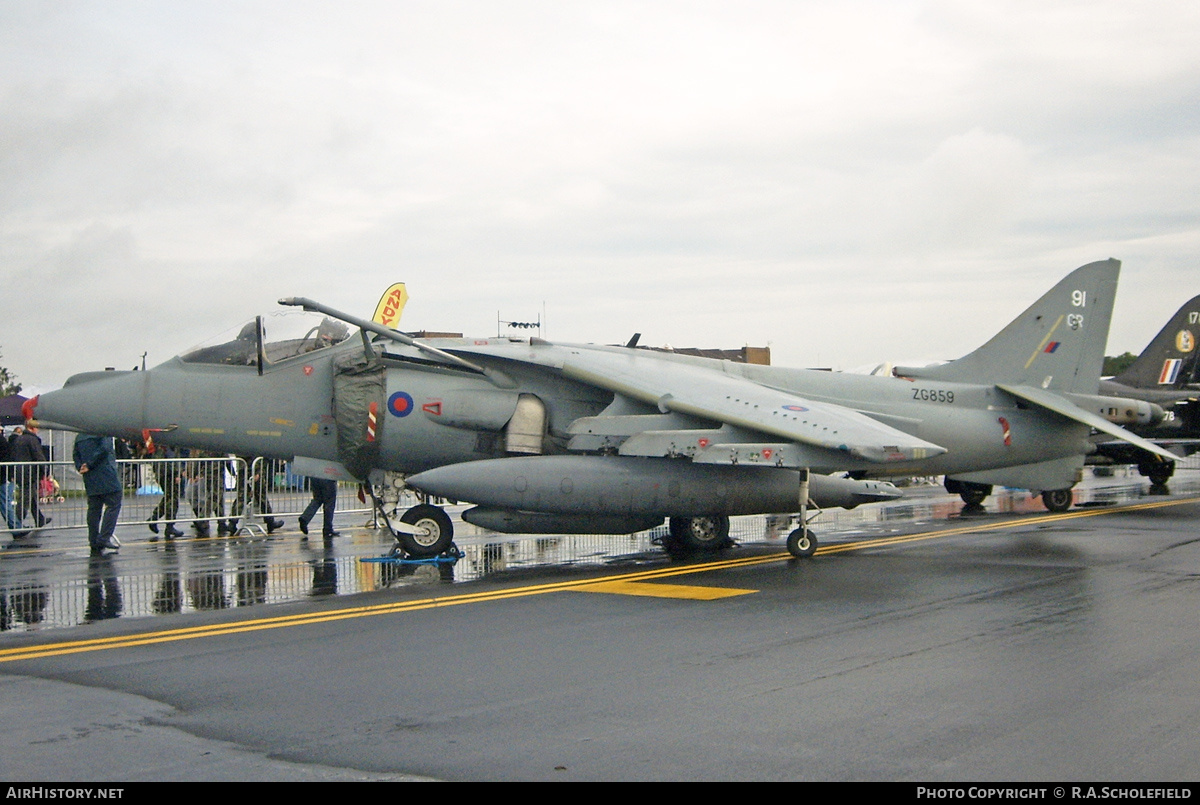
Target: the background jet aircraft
(568, 438)
(1165, 379)
(1167, 371)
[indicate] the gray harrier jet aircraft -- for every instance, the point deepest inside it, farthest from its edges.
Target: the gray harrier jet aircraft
(567, 438)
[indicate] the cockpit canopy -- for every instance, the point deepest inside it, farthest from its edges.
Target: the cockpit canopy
(251, 342)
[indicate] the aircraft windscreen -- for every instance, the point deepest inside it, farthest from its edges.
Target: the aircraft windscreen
(287, 335)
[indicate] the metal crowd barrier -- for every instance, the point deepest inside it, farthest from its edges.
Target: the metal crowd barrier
(197, 494)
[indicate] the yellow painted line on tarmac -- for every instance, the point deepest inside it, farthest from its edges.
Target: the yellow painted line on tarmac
(688, 591)
(974, 528)
(259, 624)
(328, 616)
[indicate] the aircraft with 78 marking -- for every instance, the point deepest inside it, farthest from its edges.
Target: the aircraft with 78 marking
(569, 438)
(1160, 397)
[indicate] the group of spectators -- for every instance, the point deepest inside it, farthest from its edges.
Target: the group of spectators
(20, 487)
(185, 474)
(194, 475)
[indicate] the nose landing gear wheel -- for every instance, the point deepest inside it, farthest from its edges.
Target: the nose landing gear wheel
(437, 528)
(802, 543)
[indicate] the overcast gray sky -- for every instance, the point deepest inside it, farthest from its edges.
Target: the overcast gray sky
(846, 182)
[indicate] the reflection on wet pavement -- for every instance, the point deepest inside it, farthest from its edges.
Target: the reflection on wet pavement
(48, 580)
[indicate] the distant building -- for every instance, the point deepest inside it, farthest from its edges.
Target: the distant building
(757, 355)
(434, 334)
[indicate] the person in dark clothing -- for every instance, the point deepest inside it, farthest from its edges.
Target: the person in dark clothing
(253, 491)
(8, 509)
(206, 491)
(96, 461)
(196, 473)
(28, 448)
(129, 474)
(217, 495)
(324, 495)
(170, 478)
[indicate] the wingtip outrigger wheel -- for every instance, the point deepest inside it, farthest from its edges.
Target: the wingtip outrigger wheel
(802, 543)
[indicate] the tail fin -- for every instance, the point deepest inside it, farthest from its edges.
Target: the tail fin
(1057, 343)
(1170, 360)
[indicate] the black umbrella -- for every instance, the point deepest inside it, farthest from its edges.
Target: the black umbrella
(10, 410)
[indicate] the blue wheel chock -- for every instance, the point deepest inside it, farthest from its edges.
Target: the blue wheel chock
(450, 557)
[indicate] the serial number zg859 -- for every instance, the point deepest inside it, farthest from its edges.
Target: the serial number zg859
(933, 395)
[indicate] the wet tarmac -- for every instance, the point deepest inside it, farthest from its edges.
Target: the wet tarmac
(922, 643)
(49, 579)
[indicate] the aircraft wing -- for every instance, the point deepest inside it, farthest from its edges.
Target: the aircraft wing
(715, 395)
(1063, 407)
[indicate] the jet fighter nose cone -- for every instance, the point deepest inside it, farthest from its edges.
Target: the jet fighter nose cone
(109, 403)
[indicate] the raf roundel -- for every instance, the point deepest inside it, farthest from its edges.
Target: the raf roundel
(400, 404)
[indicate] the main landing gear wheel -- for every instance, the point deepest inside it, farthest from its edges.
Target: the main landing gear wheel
(1158, 472)
(437, 528)
(700, 534)
(802, 543)
(974, 494)
(1057, 500)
